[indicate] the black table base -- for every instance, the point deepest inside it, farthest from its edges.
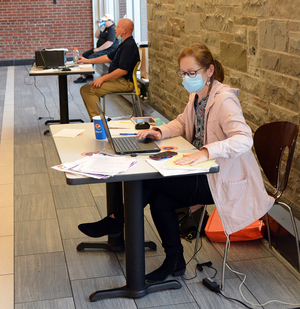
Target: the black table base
(110, 246)
(136, 286)
(63, 103)
(126, 292)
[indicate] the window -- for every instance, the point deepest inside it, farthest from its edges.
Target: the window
(136, 10)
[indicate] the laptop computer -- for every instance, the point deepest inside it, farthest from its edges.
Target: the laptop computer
(128, 144)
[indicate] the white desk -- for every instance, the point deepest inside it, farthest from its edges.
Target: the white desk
(70, 149)
(63, 87)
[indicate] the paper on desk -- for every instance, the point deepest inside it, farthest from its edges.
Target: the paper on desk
(106, 165)
(204, 166)
(158, 165)
(121, 125)
(98, 166)
(68, 132)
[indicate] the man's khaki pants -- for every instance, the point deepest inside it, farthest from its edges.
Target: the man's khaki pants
(90, 95)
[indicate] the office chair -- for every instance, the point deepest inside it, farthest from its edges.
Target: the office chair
(135, 93)
(270, 142)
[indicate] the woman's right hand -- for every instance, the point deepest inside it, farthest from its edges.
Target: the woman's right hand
(153, 134)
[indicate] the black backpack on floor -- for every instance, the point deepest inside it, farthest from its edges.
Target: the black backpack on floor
(188, 222)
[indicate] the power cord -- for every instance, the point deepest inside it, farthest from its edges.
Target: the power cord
(45, 103)
(214, 286)
(29, 84)
(34, 83)
(258, 305)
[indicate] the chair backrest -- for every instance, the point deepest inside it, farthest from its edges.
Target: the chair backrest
(270, 142)
(135, 84)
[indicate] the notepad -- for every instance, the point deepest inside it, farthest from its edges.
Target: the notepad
(204, 166)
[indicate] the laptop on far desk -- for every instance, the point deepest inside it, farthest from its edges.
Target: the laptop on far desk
(128, 144)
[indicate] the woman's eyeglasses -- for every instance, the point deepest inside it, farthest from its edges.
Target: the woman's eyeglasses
(192, 74)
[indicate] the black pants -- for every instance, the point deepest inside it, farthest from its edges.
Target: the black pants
(89, 54)
(167, 194)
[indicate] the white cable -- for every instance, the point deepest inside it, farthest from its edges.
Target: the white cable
(257, 305)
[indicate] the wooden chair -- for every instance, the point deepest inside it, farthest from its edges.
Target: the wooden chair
(270, 142)
(135, 94)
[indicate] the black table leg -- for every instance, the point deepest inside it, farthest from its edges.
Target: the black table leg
(135, 255)
(63, 103)
(114, 194)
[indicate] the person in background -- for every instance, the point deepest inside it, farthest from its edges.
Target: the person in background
(213, 122)
(107, 43)
(122, 62)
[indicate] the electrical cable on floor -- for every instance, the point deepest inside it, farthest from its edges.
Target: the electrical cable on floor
(233, 299)
(69, 92)
(28, 84)
(34, 82)
(257, 305)
(216, 288)
(45, 103)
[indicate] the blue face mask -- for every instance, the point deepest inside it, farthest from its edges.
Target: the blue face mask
(193, 84)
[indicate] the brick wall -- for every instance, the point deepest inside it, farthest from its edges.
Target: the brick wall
(29, 25)
(258, 43)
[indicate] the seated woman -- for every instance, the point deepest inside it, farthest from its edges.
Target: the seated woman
(213, 122)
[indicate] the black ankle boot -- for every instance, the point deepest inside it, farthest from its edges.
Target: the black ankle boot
(172, 265)
(103, 227)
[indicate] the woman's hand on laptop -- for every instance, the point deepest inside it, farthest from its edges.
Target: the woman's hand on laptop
(153, 134)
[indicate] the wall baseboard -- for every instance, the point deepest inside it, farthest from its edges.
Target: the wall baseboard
(16, 62)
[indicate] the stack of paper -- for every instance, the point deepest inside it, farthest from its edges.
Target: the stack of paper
(98, 165)
(167, 167)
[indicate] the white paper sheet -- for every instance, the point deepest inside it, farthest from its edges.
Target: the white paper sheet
(68, 133)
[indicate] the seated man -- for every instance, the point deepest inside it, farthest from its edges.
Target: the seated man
(107, 43)
(119, 78)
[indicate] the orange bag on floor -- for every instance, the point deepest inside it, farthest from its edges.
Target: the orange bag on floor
(215, 232)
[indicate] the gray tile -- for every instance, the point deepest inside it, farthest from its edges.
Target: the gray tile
(207, 299)
(34, 207)
(268, 279)
(28, 151)
(98, 189)
(41, 277)
(50, 151)
(63, 303)
(166, 297)
(72, 196)
(82, 289)
(93, 263)
(30, 166)
(40, 236)
(32, 184)
(241, 250)
(56, 177)
(181, 306)
(206, 253)
(25, 138)
(101, 204)
(69, 218)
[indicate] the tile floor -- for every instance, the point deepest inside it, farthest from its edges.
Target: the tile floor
(39, 213)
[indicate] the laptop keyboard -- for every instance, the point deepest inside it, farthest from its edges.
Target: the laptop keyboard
(126, 144)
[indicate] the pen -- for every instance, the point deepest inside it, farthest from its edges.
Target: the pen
(127, 133)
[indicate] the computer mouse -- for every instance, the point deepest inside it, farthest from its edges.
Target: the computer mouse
(66, 69)
(142, 125)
